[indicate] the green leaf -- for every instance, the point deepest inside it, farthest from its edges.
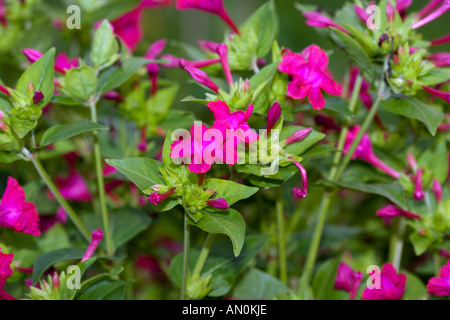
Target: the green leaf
(66, 131)
(221, 263)
(258, 285)
(81, 83)
(9, 157)
(298, 148)
(114, 77)
(104, 290)
(420, 243)
(435, 76)
(127, 223)
(434, 161)
(392, 191)
(66, 101)
(230, 190)
(228, 222)
(41, 74)
(415, 289)
(105, 48)
(356, 53)
(69, 294)
(262, 26)
(323, 282)
(415, 109)
(143, 172)
(46, 260)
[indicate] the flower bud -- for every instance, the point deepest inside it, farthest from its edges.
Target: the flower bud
(437, 189)
(156, 198)
(298, 136)
(218, 203)
(96, 238)
(202, 78)
(55, 280)
(38, 97)
(272, 116)
(418, 192)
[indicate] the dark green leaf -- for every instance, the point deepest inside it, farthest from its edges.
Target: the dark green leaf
(104, 290)
(66, 131)
(127, 223)
(258, 285)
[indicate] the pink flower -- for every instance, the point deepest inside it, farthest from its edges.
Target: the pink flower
(47, 222)
(3, 14)
(192, 150)
(437, 189)
(440, 94)
(418, 192)
(128, 27)
(142, 146)
(153, 69)
(390, 12)
(445, 6)
(109, 170)
(392, 285)
(273, 116)
(221, 50)
(299, 193)
(390, 211)
(316, 19)
(4, 90)
(236, 121)
(364, 151)
(440, 286)
(113, 96)
(156, 198)
(211, 6)
(411, 161)
(5, 273)
(96, 238)
(402, 5)
(361, 13)
(364, 92)
(440, 59)
(310, 76)
(348, 280)
(442, 40)
(62, 62)
(218, 204)
(202, 78)
(73, 187)
(16, 213)
(298, 135)
(433, 4)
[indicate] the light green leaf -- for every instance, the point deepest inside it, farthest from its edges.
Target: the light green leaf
(66, 131)
(230, 190)
(81, 83)
(105, 47)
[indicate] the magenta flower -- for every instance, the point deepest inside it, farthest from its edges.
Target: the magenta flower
(73, 187)
(364, 92)
(128, 27)
(3, 14)
(298, 135)
(202, 78)
(440, 59)
(16, 213)
(440, 286)
(153, 69)
(221, 50)
(191, 151)
(392, 285)
(316, 19)
(310, 76)
(433, 4)
(273, 116)
(142, 146)
(402, 6)
(156, 198)
(96, 238)
(4, 90)
(390, 211)
(5, 273)
(440, 94)
(47, 222)
(361, 13)
(211, 6)
(445, 6)
(390, 12)
(218, 203)
(348, 280)
(442, 40)
(62, 62)
(236, 121)
(299, 193)
(437, 189)
(113, 96)
(109, 170)
(364, 152)
(419, 194)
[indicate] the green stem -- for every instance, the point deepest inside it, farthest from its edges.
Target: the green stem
(398, 248)
(437, 264)
(314, 247)
(63, 203)
(203, 257)
(101, 184)
(185, 274)
(281, 237)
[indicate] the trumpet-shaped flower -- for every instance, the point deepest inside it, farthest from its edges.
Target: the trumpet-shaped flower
(440, 286)
(392, 285)
(310, 76)
(16, 213)
(96, 238)
(348, 280)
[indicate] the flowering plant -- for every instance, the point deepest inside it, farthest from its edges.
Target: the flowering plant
(284, 173)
